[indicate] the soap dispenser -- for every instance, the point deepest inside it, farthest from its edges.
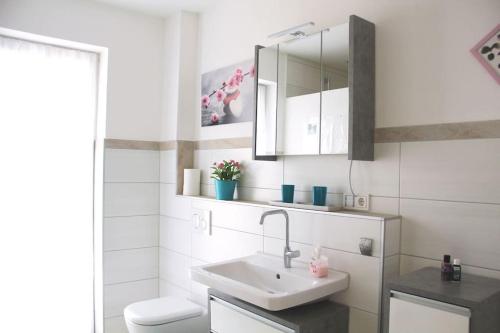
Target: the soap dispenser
(319, 264)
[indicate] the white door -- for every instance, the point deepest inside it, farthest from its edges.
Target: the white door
(412, 314)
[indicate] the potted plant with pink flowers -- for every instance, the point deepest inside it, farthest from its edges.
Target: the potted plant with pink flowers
(226, 175)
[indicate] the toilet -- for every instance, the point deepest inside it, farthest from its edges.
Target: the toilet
(166, 315)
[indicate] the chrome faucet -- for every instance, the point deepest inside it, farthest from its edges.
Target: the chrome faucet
(287, 253)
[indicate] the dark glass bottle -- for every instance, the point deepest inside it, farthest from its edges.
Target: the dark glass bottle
(446, 268)
(457, 270)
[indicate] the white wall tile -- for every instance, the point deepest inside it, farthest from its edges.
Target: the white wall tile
(115, 325)
(307, 171)
(169, 289)
(459, 170)
(343, 233)
(384, 205)
(258, 194)
(173, 205)
(302, 226)
(130, 265)
(224, 244)
(410, 263)
(262, 174)
(364, 280)
(175, 235)
(362, 321)
(207, 190)
(276, 246)
(199, 292)
(233, 216)
(128, 199)
(325, 230)
(129, 165)
(392, 241)
(168, 166)
(465, 230)
(118, 296)
(380, 177)
(174, 268)
(130, 232)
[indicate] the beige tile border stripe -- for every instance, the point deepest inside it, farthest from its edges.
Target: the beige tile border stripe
(229, 143)
(131, 144)
(168, 145)
(451, 131)
(437, 132)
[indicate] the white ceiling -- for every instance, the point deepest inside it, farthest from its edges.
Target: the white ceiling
(161, 7)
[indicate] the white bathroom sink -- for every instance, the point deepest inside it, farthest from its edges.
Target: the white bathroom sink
(262, 280)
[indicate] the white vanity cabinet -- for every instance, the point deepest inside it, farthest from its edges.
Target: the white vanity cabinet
(413, 314)
(228, 318)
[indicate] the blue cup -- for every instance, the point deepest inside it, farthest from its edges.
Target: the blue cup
(287, 193)
(319, 195)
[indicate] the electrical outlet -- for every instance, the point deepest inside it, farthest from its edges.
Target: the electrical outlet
(360, 202)
(201, 220)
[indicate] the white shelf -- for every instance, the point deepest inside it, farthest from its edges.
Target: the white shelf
(342, 212)
(302, 205)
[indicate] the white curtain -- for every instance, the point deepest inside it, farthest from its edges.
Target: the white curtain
(47, 125)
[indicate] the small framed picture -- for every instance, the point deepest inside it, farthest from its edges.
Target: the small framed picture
(487, 52)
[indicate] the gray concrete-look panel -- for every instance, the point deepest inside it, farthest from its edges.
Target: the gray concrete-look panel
(361, 77)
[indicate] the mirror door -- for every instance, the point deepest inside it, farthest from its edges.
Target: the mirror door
(266, 96)
(334, 90)
(299, 100)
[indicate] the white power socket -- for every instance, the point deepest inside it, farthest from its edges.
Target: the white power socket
(201, 221)
(361, 202)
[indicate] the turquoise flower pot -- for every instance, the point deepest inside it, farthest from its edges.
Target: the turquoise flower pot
(224, 189)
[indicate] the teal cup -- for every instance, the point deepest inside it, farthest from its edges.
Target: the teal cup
(319, 195)
(287, 193)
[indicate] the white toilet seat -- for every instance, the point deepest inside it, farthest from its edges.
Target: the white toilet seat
(162, 310)
(166, 315)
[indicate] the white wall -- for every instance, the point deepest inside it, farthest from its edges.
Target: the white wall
(425, 73)
(170, 92)
(135, 43)
(131, 211)
(446, 191)
(180, 75)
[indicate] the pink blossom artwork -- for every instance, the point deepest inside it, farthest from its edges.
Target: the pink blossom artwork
(214, 118)
(487, 52)
(205, 101)
(252, 71)
(219, 95)
(228, 94)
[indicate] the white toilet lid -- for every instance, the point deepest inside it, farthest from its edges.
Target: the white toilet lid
(162, 310)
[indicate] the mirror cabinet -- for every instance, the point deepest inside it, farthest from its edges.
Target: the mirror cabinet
(315, 94)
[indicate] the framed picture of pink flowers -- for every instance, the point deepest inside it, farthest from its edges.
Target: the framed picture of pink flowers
(227, 94)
